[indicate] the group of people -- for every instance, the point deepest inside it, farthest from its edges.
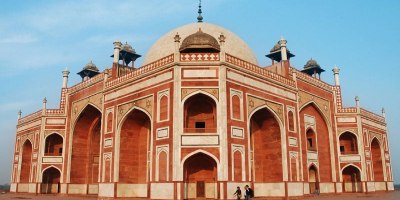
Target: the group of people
(248, 193)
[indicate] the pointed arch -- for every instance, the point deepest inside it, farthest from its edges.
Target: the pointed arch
(359, 169)
(124, 158)
(84, 146)
(51, 178)
(377, 160)
(324, 137)
(199, 92)
(319, 109)
(54, 144)
(200, 171)
(196, 152)
(200, 113)
(351, 177)
(81, 111)
(348, 142)
(26, 161)
(271, 156)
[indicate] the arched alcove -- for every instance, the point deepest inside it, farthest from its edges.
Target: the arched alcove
(265, 142)
(134, 147)
(51, 181)
(377, 160)
(200, 177)
(53, 145)
(348, 143)
(26, 162)
(200, 114)
(86, 147)
(351, 179)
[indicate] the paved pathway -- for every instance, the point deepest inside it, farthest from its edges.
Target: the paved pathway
(384, 196)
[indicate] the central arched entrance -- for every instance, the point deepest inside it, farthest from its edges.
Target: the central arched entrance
(351, 179)
(200, 177)
(51, 181)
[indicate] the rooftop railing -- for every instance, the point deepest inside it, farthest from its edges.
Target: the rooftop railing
(84, 84)
(305, 77)
(30, 117)
(141, 70)
(259, 70)
(372, 115)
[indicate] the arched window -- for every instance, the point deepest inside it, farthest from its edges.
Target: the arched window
(200, 115)
(348, 143)
(311, 141)
(53, 145)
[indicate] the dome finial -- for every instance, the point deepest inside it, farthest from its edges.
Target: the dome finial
(200, 18)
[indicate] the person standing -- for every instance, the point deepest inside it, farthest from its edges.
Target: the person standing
(238, 193)
(248, 192)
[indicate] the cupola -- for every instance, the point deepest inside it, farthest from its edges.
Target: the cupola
(127, 54)
(199, 42)
(275, 53)
(312, 68)
(89, 71)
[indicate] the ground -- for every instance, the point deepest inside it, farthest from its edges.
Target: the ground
(383, 196)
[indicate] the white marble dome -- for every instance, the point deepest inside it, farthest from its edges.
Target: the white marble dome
(233, 44)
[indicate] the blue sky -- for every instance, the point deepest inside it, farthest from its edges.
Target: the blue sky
(39, 39)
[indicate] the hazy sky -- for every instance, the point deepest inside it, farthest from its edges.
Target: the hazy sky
(39, 39)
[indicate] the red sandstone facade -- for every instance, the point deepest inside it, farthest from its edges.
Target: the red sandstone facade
(196, 123)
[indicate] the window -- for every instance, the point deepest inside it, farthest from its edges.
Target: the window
(200, 125)
(341, 149)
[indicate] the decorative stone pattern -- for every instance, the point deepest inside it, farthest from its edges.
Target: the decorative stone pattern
(373, 134)
(145, 103)
(255, 102)
(193, 57)
(78, 106)
(48, 132)
(305, 97)
(187, 91)
(342, 130)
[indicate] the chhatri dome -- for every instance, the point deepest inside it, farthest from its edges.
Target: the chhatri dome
(233, 44)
